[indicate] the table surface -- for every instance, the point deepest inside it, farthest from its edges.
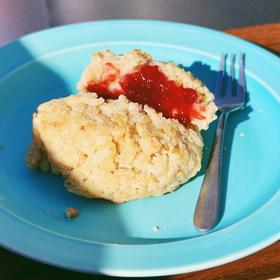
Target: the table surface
(264, 264)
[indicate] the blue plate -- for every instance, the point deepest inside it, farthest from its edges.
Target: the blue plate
(153, 236)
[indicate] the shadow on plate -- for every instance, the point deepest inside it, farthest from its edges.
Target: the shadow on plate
(25, 82)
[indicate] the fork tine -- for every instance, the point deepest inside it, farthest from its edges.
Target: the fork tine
(229, 90)
(220, 76)
(241, 80)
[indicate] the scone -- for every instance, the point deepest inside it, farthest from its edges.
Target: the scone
(132, 131)
(116, 149)
(163, 86)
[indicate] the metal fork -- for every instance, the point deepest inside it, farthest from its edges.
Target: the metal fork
(207, 211)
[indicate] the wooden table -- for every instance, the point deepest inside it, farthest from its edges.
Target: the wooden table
(262, 265)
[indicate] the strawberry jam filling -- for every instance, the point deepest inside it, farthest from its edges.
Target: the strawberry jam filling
(149, 85)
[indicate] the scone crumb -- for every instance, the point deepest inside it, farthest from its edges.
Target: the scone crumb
(155, 228)
(71, 213)
(33, 157)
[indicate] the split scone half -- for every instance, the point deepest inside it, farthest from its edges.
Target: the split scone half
(142, 80)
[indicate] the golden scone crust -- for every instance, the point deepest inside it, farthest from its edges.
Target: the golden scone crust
(129, 62)
(115, 150)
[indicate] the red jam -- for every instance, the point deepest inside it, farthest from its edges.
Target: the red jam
(148, 85)
(101, 88)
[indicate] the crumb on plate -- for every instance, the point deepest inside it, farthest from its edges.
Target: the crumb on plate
(155, 228)
(71, 213)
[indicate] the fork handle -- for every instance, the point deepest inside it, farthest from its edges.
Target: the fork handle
(207, 209)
